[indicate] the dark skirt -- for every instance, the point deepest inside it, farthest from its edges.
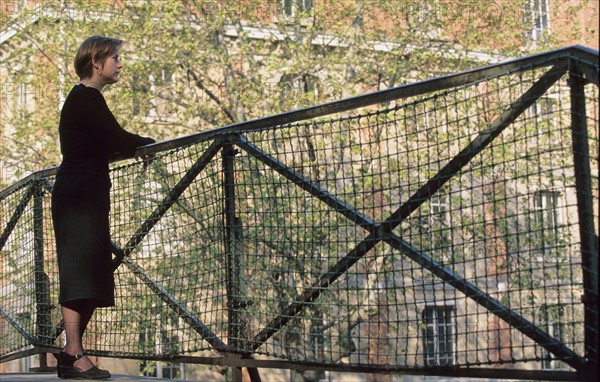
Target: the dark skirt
(80, 208)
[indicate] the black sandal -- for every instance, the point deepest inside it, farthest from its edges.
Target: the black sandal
(66, 370)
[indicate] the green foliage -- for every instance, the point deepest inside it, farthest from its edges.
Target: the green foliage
(195, 65)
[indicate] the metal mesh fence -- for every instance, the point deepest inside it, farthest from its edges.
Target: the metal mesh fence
(440, 228)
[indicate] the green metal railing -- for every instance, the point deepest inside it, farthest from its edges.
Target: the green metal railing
(445, 227)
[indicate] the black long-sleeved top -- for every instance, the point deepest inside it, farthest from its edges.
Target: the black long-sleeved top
(90, 135)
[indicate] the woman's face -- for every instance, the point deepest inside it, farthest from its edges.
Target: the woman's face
(111, 68)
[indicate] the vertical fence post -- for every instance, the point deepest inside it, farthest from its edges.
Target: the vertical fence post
(234, 252)
(585, 209)
(42, 282)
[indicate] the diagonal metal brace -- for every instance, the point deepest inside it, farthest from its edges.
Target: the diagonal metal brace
(172, 302)
(383, 231)
(19, 210)
(556, 347)
(31, 339)
(168, 201)
(307, 184)
(476, 146)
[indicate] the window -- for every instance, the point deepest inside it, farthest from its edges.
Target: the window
(295, 87)
(438, 221)
(167, 342)
(295, 7)
(147, 90)
(434, 226)
(141, 91)
(164, 76)
(439, 335)
(542, 115)
(424, 17)
(537, 14)
(428, 12)
(543, 108)
(553, 321)
(547, 219)
(171, 370)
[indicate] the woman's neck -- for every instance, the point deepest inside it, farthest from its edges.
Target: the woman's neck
(91, 83)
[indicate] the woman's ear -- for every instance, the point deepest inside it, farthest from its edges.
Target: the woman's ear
(97, 65)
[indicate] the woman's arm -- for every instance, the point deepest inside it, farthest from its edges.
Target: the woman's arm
(106, 127)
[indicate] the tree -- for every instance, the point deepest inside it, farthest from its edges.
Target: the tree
(196, 65)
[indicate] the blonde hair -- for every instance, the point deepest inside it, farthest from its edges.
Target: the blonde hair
(94, 47)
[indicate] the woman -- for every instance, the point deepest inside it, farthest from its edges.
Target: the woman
(89, 137)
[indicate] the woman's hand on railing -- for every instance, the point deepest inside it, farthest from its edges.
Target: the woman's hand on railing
(147, 159)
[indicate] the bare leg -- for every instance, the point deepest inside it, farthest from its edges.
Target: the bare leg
(76, 315)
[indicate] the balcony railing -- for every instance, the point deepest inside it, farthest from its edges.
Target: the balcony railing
(444, 227)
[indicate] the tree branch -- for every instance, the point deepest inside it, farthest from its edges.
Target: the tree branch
(210, 94)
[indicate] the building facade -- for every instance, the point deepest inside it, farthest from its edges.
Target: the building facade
(147, 98)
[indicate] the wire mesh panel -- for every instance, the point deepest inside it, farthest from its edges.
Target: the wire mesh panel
(453, 226)
(505, 223)
(18, 293)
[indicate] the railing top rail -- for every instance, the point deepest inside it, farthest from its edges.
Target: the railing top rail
(583, 54)
(31, 177)
(579, 52)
